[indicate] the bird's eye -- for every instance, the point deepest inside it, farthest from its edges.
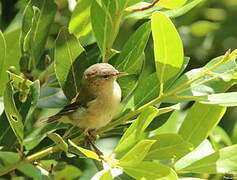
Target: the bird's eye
(106, 76)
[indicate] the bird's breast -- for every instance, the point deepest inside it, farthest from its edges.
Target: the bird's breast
(101, 110)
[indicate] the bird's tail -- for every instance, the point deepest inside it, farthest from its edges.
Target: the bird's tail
(47, 120)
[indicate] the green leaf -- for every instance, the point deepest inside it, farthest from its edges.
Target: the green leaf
(67, 50)
(105, 19)
(68, 172)
(203, 150)
(40, 30)
(136, 154)
(220, 137)
(86, 152)
(222, 161)
(215, 81)
(129, 59)
(13, 115)
(168, 146)
(103, 175)
(183, 10)
(173, 123)
(168, 47)
(200, 121)
(2, 52)
(80, 22)
(170, 4)
(151, 171)
(58, 140)
(12, 56)
(147, 90)
(221, 99)
(51, 97)
(136, 131)
(9, 158)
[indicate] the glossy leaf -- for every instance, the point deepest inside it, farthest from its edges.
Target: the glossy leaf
(222, 161)
(129, 59)
(203, 150)
(105, 19)
(80, 22)
(136, 154)
(215, 81)
(13, 115)
(197, 126)
(136, 131)
(86, 152)
(58, 140)
(170, 4)
(12, 56)
(222, 99)
(151, 171)
(168, 47)
(168, 146)
(67, 50)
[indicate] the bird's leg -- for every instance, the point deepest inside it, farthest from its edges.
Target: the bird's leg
(90, 140)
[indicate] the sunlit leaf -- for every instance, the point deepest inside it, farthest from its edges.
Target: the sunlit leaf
(197, 126)
(170, 4)
(103, 175)
(86, 152)
(58, 140)
(168, 47)
(151, 171)
(136, 154)
(168, 146)
(222, 161)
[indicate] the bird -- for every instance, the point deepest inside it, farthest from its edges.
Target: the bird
(97, 102)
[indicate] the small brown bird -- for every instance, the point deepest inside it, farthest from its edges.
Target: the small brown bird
(97, 101)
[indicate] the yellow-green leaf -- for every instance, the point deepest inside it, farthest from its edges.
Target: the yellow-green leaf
(86, 152)
(171, 4)
(59, 141)
(168, 47)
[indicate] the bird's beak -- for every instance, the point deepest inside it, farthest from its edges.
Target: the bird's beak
(120, 74)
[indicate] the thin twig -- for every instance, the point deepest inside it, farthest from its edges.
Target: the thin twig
(145, 7)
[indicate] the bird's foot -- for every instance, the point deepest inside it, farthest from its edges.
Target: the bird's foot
(90, 138)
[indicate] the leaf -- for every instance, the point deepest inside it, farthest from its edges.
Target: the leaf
(2, 52)
(67, 50)
(168, 56)
(12, 56)
(173, 123)
(170, 4)
(80, 22)
(136, 154)
(105, 20)
(9, 158)
(86, 152)
(41, 29)
(222, 99)
(68, 172)
(13, 115)
(182, 10)
(215, 81)
(147, 90)
(200, 121)
(168, 146)
(129, 59)
(103, 175)
(151, 171)
(203, 150)
(222, 161)
(58, 140)
(136, 131)
(220, 137)
(51, 97)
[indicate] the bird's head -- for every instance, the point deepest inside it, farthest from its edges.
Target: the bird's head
(101, 74)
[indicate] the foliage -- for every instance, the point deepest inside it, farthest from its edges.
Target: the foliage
(157, 134)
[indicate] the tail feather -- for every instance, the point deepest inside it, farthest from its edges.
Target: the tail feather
(47, 120)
